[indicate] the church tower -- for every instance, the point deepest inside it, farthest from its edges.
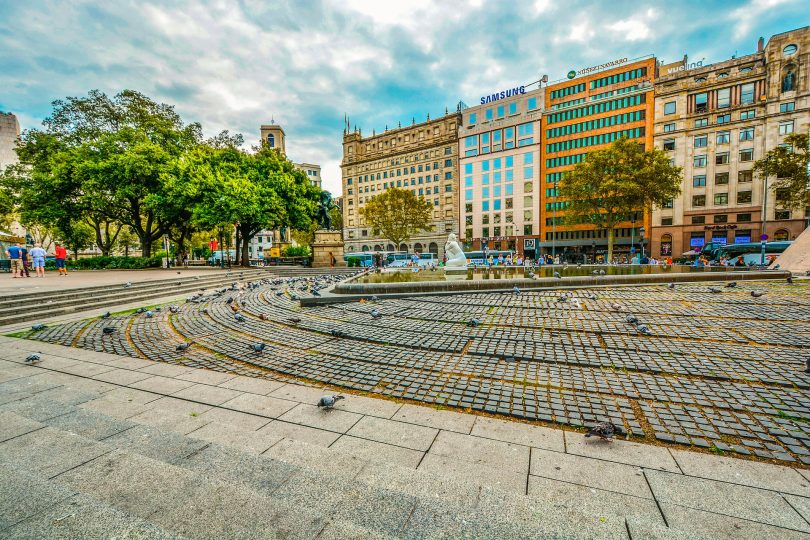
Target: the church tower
(273, 136)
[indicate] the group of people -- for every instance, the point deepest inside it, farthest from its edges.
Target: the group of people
(22, 259)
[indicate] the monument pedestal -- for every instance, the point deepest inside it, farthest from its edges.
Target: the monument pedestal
(327, 242)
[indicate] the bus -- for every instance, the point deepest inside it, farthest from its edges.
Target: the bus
(479, 258)
(732, 251)
(363, 259)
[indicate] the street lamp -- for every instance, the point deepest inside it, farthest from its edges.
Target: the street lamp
(554, 225)
(221, 247)
(632, 236)
(593, 250)
(641, 232)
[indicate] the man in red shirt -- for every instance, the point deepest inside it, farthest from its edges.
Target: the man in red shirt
(61, 255)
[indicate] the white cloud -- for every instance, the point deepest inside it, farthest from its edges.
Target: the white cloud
(631, 29)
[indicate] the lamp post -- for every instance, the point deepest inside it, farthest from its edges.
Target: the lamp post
(166, 247)
(554, 225)
(632, 236)
(641, 232)
(593, 250)
(221, 247)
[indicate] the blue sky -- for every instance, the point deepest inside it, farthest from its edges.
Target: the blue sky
(236, 64)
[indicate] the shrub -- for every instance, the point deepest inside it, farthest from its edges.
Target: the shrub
(105, 263)
(296, 251)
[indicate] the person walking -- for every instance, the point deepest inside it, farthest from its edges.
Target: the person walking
(14, 253)
(24, 259)
(38, 259)
(61, 254)
(332, 260)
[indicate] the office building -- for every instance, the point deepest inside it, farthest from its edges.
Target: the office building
(587, 111)
(500, 171)
(422, 158)
(9, 132)
(716, 121)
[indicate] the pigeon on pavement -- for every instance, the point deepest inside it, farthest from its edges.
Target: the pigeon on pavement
(106, 315)
(557, 275)
(516, 290)
(108, 330)
(731, 284)
(632, 319)
(258, 347)
(375, 314)
(605, 431)
(33, 358)
(239, 317)
(327, 402)
(757, 293)
(37, 327)
(149, 314)
(715, 290)
(183, 346)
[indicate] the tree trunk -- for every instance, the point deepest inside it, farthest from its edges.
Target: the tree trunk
(237, 245)
(245, 255)
(610, 232)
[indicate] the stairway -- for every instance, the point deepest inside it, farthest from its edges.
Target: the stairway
(72, 471)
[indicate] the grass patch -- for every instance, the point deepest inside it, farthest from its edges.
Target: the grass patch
(19, 334)
(715, 450)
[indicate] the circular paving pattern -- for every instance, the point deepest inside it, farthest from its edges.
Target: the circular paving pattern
(719, 370)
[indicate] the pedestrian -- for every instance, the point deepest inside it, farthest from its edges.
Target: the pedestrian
(61, 254)
(332, 260)
(38, 258)
(185, 260)
(24, 260)
(14, 253)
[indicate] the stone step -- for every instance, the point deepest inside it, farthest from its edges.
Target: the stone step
(313, 477)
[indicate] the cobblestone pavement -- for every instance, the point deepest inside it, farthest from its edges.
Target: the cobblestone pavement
(721, 371)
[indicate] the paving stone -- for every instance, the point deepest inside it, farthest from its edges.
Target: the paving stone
(13, 425)
(496, 454)
(514, 432)
(619, 451)
(247, 441)
(377, 451)
(259, 405)
(425, 416)
(155, 443)
(480, 472)
(90, 424)
(210, 395)
(49, 452)
(161, 385)
(330, 419)
(309, 435)
(719, 526)
(392, 432)
(39, 495)
(252, 385)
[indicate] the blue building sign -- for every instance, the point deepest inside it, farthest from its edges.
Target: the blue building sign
(503, 94)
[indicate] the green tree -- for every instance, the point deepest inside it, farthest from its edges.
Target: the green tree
(75, 235)
(126, 240)
(789, 164)
(614, 183)
(397, 214)
(337, 218)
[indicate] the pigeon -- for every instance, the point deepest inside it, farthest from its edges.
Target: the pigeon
(183, 346)
(262, 316)
(106, 315)
(790, 280)
(174, 309)
(605, 431)
(777, 267)
(128, 284)
(239, 317)
(532, 275)
(616, 307)
(601, 272)
(731, 284)
(229, 300)
(516, 290)
(234, 308)
(631, 319)
(327, 402)
(294, 320)
(671, 285)
(149, 314)
(562, 298)
(757, 294)
(595, 273)
(258, 347)
(557, 275)
(139, 310)
(643, 329)
(473, 323)
(33, 358)
(375, 314)
(337, 333)
(158, 308)
(178, 272)
(108, 330)
(715, 290)
(315, 293)
(37, 327)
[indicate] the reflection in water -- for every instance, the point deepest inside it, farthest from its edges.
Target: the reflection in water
(516, 272)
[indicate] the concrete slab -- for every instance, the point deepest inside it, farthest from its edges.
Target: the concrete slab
(309, 435)
(300, 393)
(418, 483)
(182, 423)
(595, 473)
(391, 432)
(86, 369)
(252, 385)
(23, 494)
(375, 509)
(800, 504)
(49, 452)
(205, 376)
(161, 385)
(210, 395)
(37, 408)
(629, 453)
(115, 408)
(481, 473)
(122, 377)
(426, 416)
(130, 363)
(246, 441)
(89, 424)
(723, 527)
(497, 454)
(315, 457)
(165, 370)
(261, 405)
(377, 451)
(342, 530)
(731, 500)
(332, 420)
(235, 419)
(748, 473)
(518, 433)
(177, 405)
(13, 425)
(380, 408)
(132, 395)
(155, 443)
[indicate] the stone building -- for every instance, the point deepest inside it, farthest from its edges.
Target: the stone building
(715, 121)
(499, 168)
(422, 158)
(9, 131)
(587, 111)
(312, 171)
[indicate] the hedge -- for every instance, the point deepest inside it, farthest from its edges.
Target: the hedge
(103, 263)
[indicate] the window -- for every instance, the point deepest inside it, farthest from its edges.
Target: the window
(697, 240)
(745, 176)
(742, 236)
(669, 144)
(721, 179)
(701, 122)
(448, 175)
(721, 218)
(702, 102)
(789, 50)
(698, 200)
(743, 197)
(669, 127)
(701, 141)
(747, 94)
(447, 163)
(698, 220)
(700, 161)
(720, 199)
(532, 103)
(513, 108)
(748, 115)
(747, 134)
(499, 112)
(787, 107)
(699, 180)
(666, 221)
(723, 118)
(743, 218)
(669, 107)
(747, 154)
(723, 137)
(782, 195)
(669, 204)
(721, 158)
(781, 214)
(528, 158)
(724, 97)
(472, 120)
(786, 128)
(485, 206)
(488, 114)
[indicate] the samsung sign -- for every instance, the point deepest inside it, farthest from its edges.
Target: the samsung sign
(503, 94)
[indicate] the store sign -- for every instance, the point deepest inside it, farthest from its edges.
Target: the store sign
(685, 66)
(600, 67)
(719, 227)
(529, 243)
(503, 94)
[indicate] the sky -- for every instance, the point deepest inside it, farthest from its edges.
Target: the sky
(305, 64)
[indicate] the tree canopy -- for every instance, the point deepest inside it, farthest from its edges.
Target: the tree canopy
(397, 214)
(789, 164)
(614, 183)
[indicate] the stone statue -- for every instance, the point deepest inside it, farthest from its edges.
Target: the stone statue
(455, 255)
(789, 81)
(323, 217)
(282, 233)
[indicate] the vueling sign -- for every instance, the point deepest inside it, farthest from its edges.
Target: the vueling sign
(503, 94)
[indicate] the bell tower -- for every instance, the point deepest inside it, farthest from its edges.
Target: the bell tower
(273, 136)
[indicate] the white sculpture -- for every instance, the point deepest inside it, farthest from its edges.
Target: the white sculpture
(455, 255)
